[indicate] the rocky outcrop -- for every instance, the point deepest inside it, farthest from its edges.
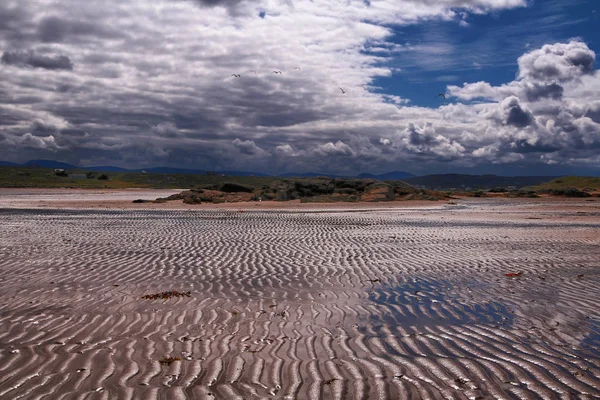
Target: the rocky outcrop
(378, 191)
(309, 190)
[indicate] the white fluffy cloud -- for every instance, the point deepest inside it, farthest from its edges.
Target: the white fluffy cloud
(542, 113)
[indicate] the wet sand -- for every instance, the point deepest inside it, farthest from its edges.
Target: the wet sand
(123, 199)
(304, 304)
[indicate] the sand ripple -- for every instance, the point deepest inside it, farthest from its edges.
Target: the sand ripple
(386, 304)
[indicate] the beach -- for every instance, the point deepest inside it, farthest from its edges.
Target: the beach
(471, 298)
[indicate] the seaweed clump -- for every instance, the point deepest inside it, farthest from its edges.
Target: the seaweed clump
(168, 360)
(166, 295)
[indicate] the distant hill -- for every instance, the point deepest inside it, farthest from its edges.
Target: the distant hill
(460, 181)
(105, 168)
(110, 168)
(578, 182)
(394, 175)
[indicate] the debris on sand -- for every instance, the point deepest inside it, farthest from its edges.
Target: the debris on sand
(168, 360)
(514, 274)
(330, 381)
(166, 295)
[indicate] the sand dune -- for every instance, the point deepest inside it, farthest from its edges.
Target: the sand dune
(379, 304)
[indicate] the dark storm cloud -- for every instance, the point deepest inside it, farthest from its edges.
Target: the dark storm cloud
(514, 114)
(594, 112)
(523, 146)
(15, 21)
(420, 137)
(55, 29)
(234, 7)
(537, 91)
(223, 3)
(31, 59)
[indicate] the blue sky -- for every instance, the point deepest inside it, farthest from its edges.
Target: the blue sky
(191, 83)
(486, 48)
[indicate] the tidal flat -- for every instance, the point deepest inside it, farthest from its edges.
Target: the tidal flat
(476, 298)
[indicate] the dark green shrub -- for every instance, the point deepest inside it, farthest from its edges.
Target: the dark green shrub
(229, 187)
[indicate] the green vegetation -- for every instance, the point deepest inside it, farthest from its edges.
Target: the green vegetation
(47, 178)
(318, 189)
(566, 182)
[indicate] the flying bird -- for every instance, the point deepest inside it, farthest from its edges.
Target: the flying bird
(343, 91)
(253, 70)
(236, 75)
(278, 72)
(298, 68)
(440, 95)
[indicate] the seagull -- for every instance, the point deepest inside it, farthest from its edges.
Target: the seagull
(236, 75)
(343, 91)
(253, 70)
(440, 94)
(277, 72)
(298, 68)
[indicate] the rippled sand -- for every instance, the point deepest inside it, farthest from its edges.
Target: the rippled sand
(398, 304)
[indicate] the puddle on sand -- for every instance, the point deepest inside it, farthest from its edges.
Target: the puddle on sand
(429, 303)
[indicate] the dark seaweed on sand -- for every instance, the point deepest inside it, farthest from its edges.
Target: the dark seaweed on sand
(166, 295)
(168, 360)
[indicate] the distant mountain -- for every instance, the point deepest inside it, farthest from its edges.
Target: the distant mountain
(307, 175)
(169, 170)
(106, 168)
(242, 173)
(48, 164)
(394, 175)
(8, 164)
(460, 181)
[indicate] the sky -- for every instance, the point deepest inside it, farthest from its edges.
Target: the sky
(358, 87)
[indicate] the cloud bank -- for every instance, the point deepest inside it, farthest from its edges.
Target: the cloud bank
(142, 83)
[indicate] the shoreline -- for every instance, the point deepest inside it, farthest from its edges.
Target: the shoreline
(66, 198)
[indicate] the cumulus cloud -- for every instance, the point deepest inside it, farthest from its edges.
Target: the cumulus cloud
(425, 140)
(338, 148)
(545, 113)
(248, 147)
(559, 61)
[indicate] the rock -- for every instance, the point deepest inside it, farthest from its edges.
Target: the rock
(378, 191)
